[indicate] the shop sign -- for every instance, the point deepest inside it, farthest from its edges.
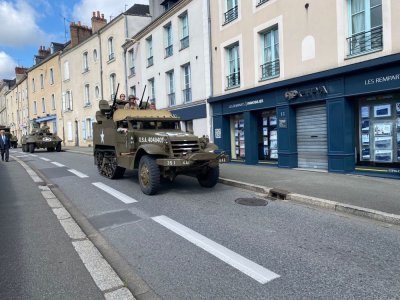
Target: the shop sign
(246, 103)
(311, 92)
(382, 79)
(217, 133)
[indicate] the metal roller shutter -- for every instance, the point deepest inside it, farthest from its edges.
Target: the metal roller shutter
(312, 146)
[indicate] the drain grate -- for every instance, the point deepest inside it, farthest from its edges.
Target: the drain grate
(251, 201)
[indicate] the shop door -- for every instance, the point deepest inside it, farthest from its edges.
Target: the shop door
(312, 146)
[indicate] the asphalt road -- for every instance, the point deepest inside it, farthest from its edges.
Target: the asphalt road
(189, 242)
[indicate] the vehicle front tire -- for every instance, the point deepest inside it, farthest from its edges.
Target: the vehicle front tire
(209, 178)
(149, 175)
(31, 148)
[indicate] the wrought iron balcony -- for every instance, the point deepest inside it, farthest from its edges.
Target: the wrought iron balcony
(270, 69)
(187, 95)
(132, 71)
(231, 15)
(365, 41)
(169, 51)
(233, 80)
(171, 99)
(261, 2)
(111, 56)
(150, 61)
(185, 42)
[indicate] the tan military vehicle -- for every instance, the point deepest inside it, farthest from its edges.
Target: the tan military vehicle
(41, 138)
(151, 142)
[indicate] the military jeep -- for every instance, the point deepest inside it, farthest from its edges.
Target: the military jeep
(41, 138)
(151, 142)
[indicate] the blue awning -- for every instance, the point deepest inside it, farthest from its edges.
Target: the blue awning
(48, 118)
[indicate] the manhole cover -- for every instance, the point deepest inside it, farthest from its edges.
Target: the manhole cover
(251, 201)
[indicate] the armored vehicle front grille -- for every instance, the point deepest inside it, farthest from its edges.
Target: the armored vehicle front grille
(181, 147)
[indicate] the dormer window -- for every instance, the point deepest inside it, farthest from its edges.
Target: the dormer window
(167, 4)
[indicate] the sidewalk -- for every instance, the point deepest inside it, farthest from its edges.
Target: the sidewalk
(373, 193)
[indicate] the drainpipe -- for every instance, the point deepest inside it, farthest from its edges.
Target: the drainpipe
(125, 71)
(208, 106)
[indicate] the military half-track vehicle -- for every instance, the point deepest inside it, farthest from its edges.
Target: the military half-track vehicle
(13, 138)
(151, 142)
(41, 138)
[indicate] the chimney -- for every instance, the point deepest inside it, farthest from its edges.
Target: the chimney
(20, 70)
(98, 21)
(79, 33)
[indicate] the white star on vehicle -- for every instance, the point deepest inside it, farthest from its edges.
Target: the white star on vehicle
(102, 136)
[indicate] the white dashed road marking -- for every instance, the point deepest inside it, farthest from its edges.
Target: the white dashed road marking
(255, 271)
(45, 159)
(120, 196)
(77, 173)
(57, 164)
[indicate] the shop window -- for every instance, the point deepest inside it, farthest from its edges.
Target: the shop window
(379, 131)
(238, 151)
(267, 136)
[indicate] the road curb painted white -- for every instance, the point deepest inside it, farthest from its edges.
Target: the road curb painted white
(322, 203)
(100, 270)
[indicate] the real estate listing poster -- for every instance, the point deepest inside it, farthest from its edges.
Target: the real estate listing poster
(382, 111)
(383, 143)
(365, 112)
(383, 129)
(383, 156)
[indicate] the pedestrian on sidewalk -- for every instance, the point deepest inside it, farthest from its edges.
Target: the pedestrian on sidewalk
(4, 145)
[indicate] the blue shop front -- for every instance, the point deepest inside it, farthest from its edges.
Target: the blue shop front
(341, 120)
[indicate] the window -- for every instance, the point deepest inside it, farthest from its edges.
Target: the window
(187, 91)
(97, 92)
(87, 131)
(184, 31)
(365, 19)
(169, 50)
(132, 90)
(231, 11)
(43, 105)
(171, 88)
(152, 90)
(34, 108)
(41, 81)
(131, 62)
(87, 98)
(270, 66)
(66, 70)
(33, 84)
(85, 62)
(53, 102)
(149, 42)
(94, 55)
(51, 76)
(113, 81)
(68, 101)
(111, 49)
(233, 78)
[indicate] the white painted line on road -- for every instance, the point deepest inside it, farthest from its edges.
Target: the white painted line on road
(57, 164)
(45, 159)
(255, 271)
(34, 155)
(120, 196)
(77, 173)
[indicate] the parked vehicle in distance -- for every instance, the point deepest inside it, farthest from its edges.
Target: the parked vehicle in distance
(151, 142)
(41, 138)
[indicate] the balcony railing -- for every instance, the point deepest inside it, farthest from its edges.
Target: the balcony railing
(171, 99)
(169, 51)
(187, 95)
(233, 80)
(365, 41)
(185, 42)
(132, 71)
(150, 61)
(231, 15)
(270, 69)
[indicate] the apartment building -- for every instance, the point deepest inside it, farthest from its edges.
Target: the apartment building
(308, 84)
(5, 85)
(92, 66)
(44, 88)
(168, 62)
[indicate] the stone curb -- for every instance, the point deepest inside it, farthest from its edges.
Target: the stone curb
(322, 203)
(80, 152)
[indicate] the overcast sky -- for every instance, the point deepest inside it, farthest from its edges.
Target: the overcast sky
(28, 24)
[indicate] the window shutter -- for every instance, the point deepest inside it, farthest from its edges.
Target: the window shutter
(84, 129)
(63, 102)
(71, 101)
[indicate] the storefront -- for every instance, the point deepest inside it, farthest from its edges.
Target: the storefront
(193, 117)
(341, 120)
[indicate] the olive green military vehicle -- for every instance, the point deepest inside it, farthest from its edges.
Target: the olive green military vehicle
(13, 138)
(151, 142)
(41, 138)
